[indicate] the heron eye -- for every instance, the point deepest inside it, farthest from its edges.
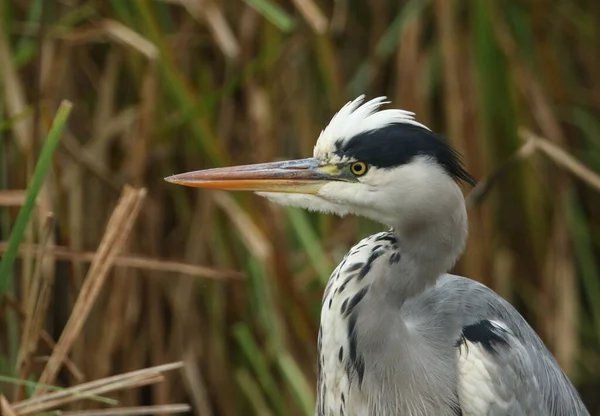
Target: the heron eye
(358, 168)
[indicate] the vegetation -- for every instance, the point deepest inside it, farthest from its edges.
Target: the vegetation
(116, 271)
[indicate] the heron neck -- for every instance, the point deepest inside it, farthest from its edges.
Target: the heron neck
(428, 251)
(393, 334)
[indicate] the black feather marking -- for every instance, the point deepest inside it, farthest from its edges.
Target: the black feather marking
(360, 369)
(341, 354)
(356, 363)
(387, 237)
(374, 255)
(395, 257)
(398, 143)
(487, 334)
(344, 305)
(330, 302)
(365, 270)
(350, 277)
(354, 267)
(352, 340)
(355, 300)
(342, 287)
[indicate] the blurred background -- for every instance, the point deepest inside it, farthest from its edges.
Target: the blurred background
(228, 283)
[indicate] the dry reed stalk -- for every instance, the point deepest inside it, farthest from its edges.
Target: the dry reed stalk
(474, 261)
(106, 128)
(141, 347)
(409, 64)
(42, 121)
(75, 208)
(17, 107)
(183, 297)
(12, 198)
(117, 231)
(45, 337)
(214, 18)
(107, 123)
(559, 326)
(116, 31)
(5, 408)
(128, 380)
(560, 263)
(195, 384)
(260, 114)
(147, 108)
(532, 144)
(453, 97)
(478, 194)
(136, 140)
(560, 268)
(14, 95)
(254, 238)
(339, 16)
(313, 15)
(562, 158)
(204, 340)
(127, 301)
(37, 300)
(108, 131)
(25, 408)
(138, 410)
(82, 156)
(166, 266)
(157, 334)
(69, 364)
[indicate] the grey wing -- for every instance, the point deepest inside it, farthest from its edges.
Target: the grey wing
(503, 366)
(495, 375)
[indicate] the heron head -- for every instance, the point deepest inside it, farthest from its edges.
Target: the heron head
(382, 165)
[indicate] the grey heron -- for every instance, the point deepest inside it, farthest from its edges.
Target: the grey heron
(398, 334)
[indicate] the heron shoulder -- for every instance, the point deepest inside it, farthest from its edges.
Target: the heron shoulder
(501, 361)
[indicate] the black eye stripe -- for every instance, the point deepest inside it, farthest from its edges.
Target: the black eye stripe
(398, 144)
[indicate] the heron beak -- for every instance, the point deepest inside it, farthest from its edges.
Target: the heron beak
(304, 176)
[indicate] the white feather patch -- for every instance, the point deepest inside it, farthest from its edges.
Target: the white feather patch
(310, 202)
(355, 118)
(476, 374)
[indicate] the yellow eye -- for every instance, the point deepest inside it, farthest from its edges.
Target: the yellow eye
(358, 168)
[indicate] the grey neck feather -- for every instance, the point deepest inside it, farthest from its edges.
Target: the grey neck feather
(389, 336)
(428, 250)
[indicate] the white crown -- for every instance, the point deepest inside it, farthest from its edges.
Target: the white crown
(355, 118)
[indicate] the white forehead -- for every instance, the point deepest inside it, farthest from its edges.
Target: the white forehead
(355, 118)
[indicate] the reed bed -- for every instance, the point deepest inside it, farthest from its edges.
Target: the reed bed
(108, 274)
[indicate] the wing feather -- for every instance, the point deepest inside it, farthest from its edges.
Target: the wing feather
(495, 376)
(503, 367)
